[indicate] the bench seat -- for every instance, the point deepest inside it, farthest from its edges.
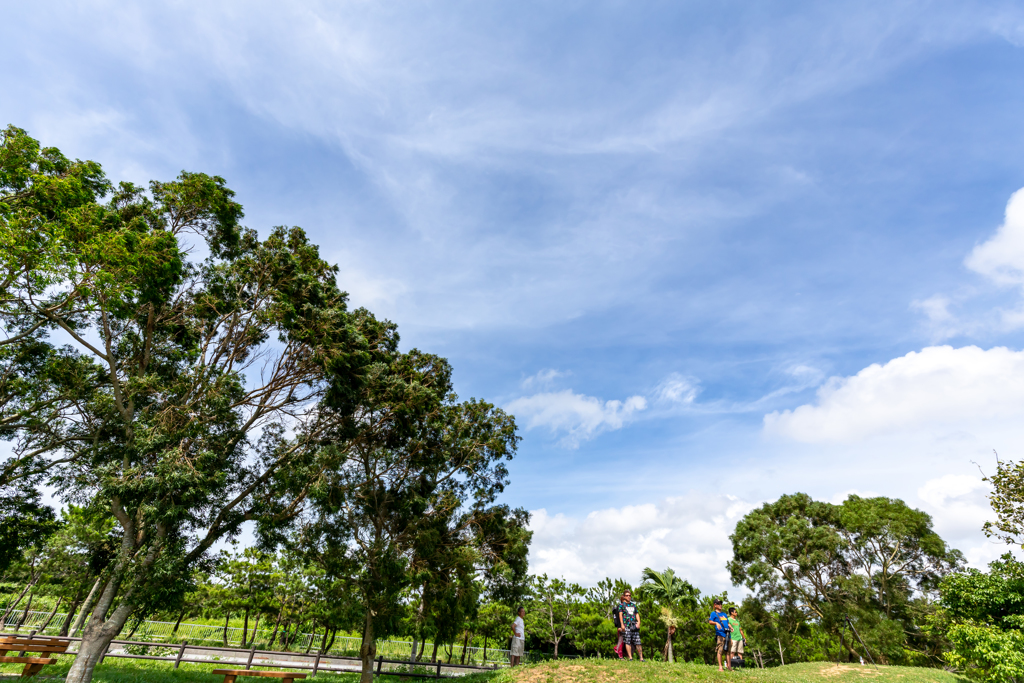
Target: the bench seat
(43, 646)
(231, 674)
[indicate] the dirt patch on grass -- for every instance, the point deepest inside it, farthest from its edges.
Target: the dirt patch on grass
(573, 673)
(832, 671)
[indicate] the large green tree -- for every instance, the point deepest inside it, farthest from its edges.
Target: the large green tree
(197, 370)
(410, 499)
(870, 564)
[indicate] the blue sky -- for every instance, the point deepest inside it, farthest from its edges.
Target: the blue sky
(707, 252)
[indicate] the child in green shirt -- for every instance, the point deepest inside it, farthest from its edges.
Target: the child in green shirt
(737, 633)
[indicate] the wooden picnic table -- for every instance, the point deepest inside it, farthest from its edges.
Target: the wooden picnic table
(230, 674)
(23, 646)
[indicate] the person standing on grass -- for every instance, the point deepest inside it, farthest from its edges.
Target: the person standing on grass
(720, 620)
(630, 616)
(738, 637)
(617, 620)
(518, 638)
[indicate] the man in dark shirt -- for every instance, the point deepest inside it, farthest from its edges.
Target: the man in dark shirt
(630, 616)
(720, 620)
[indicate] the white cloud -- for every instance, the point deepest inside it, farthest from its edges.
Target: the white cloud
(677, 389)
(580, 417)
(688, 533)
(1001, 257)
(544, 378)
(938, 385)
(959, 506)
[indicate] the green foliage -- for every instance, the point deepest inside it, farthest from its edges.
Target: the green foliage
(24, 523)
(1007, 501)
(864, 570)
(554, 605)
(987, 614)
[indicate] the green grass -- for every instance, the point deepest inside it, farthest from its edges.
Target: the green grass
(566, 671)
(145, 671)
(615, 671)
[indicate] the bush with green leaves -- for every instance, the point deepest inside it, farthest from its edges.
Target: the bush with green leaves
(987, 614)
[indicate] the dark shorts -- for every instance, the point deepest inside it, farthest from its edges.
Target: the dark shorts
(631, 637)
(720, 643)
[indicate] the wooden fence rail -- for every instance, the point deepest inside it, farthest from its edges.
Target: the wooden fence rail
(313, 661)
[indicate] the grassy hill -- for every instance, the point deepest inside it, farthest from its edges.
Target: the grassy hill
(614, 671)
(565, 671)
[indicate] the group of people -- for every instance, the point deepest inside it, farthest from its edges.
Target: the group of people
(729, 635)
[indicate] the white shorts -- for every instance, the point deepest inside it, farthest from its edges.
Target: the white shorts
(517, 647)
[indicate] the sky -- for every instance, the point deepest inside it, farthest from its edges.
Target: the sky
(707, 253)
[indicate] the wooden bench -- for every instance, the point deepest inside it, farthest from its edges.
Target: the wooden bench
(230, 674)
(33, 665)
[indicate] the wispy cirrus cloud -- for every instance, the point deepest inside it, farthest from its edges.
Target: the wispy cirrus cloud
(577, 416)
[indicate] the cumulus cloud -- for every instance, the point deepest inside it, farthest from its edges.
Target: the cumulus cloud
(688, 533)
(578, 416)
(1001, 257)
(939, 384)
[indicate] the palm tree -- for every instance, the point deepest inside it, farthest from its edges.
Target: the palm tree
(670, 592)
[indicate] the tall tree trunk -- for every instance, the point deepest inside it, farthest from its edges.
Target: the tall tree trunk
(557, 640)
(668, 650)
(17, 601)
(273, 636)
(367, 650)
(312, 637)
(46, 623)
(245, 626)
(781, 658)
(484, 662)
(72, 610)
(465, 640)
(286, 636)
(86, 606)
(181, 615)
(334, 633)
(255, 629)
(24, 615)
(227, 620)
(433, 657)
(100, 630)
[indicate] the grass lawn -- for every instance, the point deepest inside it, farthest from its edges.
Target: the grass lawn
(615, 671)
(567, 671)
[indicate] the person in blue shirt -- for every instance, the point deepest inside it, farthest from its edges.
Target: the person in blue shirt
(720, 620)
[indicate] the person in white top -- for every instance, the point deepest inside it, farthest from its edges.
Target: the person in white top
(518, 638)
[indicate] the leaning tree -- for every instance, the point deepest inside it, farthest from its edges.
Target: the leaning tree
(177, 389)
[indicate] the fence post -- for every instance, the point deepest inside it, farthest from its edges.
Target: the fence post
(252, 652)
(181, 651)
(380, 663)
(438, 675)
(316, 664)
